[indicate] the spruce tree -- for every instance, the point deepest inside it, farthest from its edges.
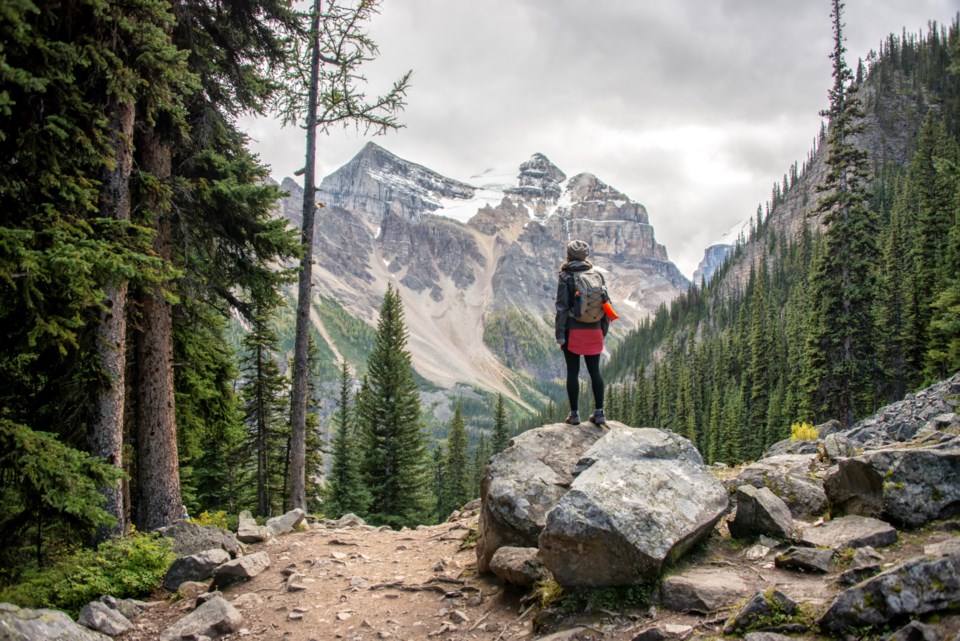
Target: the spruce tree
(458, 479)
(395, 464)
(344, 491)
(840, 375)
(501, 433)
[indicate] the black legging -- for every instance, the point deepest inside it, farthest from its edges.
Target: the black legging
(573, 378)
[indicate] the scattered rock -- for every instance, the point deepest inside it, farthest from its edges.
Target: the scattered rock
(762, 607)
(654, 633)
(241, 569)
(249, 532)
(901, 421)
(350, 520)
(287, 523)
(911, 589)
(592, 537)
(189, 538)
(909, 486)
(703, 590)
(851, 531)
(866, 562)
(838, 446)
(518, 566)
(756, 552)
(213, 618)
(130, 608)
(459, 617)
(767, 636)
(943, 548)
(195, 567)
(805, 559)
(248, 599)
(789, 476)
(102, 618)
(22, 624)
(916, 631)
(760, 511)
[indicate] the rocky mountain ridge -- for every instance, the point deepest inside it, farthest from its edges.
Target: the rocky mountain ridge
(476, 262)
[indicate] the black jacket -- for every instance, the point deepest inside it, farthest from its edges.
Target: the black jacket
(565, 321)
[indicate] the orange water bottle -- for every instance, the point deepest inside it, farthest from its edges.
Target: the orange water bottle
(608, 309)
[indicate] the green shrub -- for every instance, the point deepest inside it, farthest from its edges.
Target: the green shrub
(124, 568)
(803, 432)
(218, 519)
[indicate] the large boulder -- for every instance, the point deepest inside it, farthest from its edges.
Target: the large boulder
(98, 616)
(760, 511)
(645, 499)
(909, 486)
(851, 531)
(22, 624)
(248, 531)
(241, 569)
(190, 538)
(704, 590)
(525, 481)
(793, 478)
(212, 619)
(286, 523)
(907, 591)
(196, 567)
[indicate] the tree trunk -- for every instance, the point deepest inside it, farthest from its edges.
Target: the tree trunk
(160, 502)
(298, 392)
(106, 432)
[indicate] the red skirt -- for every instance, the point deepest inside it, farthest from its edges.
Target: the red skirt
(586, 342)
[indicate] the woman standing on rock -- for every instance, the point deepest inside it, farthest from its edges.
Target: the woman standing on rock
(581, 326)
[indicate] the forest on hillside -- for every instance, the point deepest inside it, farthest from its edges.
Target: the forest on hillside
(834, 303)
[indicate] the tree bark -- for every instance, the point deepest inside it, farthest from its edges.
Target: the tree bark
(160, 501)
(298, 392)
(106, 432)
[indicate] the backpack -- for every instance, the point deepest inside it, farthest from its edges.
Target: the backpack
(589, 295)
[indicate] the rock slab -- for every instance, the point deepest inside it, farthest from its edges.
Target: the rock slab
(286, 523)
(518, 566)
(102, 618)
(851, 531)
(789, 476)
(909, 590)
(760, 511)
(703, 590)
(190, 538)
(212, 619)
(23, 624)
(240, 569)
(196, 567)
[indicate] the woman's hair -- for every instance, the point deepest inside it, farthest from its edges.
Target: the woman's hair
(567, 262)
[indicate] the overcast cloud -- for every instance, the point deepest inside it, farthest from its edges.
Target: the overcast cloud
(693, 108)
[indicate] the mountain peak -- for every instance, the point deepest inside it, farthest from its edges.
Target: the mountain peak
(539, 178)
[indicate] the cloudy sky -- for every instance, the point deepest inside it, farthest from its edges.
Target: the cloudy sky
(693, 108)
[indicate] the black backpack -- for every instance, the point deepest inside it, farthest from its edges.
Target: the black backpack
(589, 295)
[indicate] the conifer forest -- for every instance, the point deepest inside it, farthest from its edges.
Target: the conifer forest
(144, 270)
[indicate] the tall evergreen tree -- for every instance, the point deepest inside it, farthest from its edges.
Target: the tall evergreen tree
(501, 432)
(394, 448)
(457, 482)
(344, 491)
(840, 375)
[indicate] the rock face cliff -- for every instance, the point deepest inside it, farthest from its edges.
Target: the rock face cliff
(476, 260)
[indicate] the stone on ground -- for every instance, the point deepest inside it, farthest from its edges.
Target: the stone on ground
(760, 511)
(518, 566)
(196, 567)
(789, 476)
(212, 619)
(804, 559)
(851, 531)
(249, 532)
(241, 569)
(23, 624)
(190, 538)
(286, 523)
(102, 618)
(762, 606)
(703, 590)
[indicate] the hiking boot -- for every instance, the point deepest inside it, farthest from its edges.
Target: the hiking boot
(597, 418)
(573, 418)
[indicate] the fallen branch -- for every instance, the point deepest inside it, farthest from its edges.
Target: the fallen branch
(479, 621)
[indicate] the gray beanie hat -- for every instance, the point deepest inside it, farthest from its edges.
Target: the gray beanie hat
(577, 250)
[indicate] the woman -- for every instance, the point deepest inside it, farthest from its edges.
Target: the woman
(577, 338)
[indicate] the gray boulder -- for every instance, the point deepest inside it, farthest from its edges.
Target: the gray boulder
(838, 446)
(248, 531)
(763, 606)
(703, 590)
(915, 631)
(130, 608)
(189, 538)
(240, 569)
(286, 523)
(196, 567)
(851, 531)
(907, 486)
(792, 478)
(212, 619)
(22, 624)
(804, 559)
(760, 511)
(866, 562)
(627, 515)
(524, 482)
(102, 618)
(518, 566)
(911, 589)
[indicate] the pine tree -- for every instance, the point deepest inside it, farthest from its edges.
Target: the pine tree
(839, 379)
(395, 455)
(501, 433)
(344, 491)
(457, 482)
(481, 454)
